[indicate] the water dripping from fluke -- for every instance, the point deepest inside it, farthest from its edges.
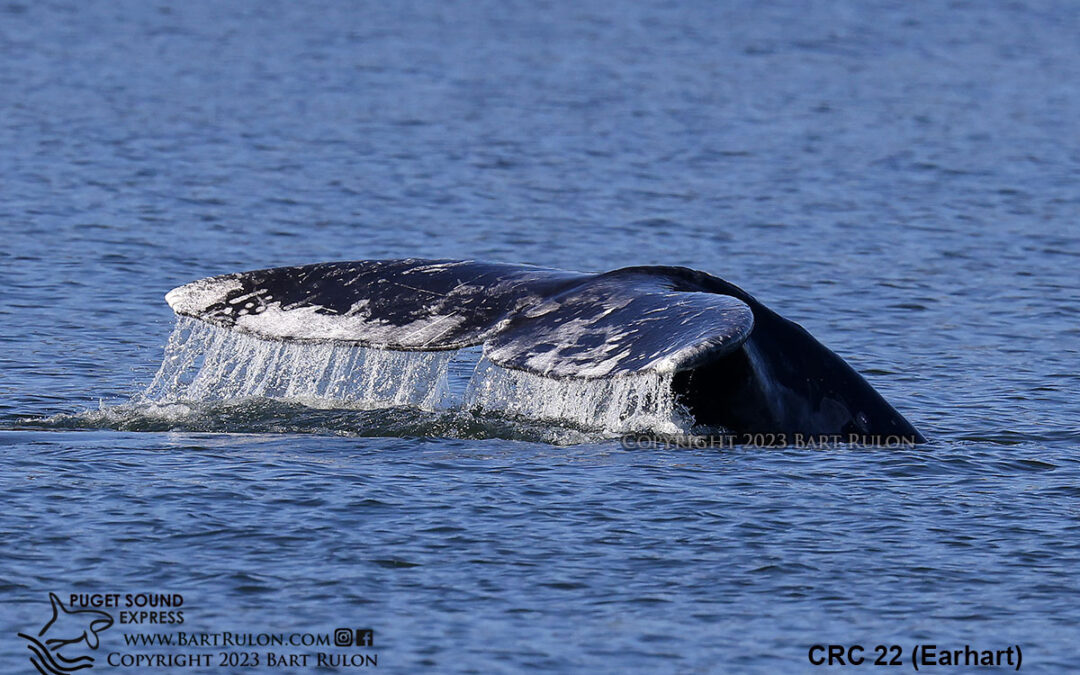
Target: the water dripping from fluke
(205, 363)
(216, 380)
(639, 402)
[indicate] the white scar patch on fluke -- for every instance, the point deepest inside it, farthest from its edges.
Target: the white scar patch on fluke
(198, 295)
(311, 324)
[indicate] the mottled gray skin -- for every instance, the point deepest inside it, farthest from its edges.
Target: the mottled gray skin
(735, 363)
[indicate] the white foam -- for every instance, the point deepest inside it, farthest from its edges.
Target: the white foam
(203, 362)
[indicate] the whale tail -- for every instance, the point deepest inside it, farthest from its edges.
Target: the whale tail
(733, 362)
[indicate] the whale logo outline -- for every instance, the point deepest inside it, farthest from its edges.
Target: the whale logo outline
(71, 627)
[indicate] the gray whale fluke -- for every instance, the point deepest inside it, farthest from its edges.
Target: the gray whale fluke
(734, 363)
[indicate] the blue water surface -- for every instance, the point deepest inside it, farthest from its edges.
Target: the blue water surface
(902, 180)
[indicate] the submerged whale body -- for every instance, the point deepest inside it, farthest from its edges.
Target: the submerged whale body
(732, 362)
